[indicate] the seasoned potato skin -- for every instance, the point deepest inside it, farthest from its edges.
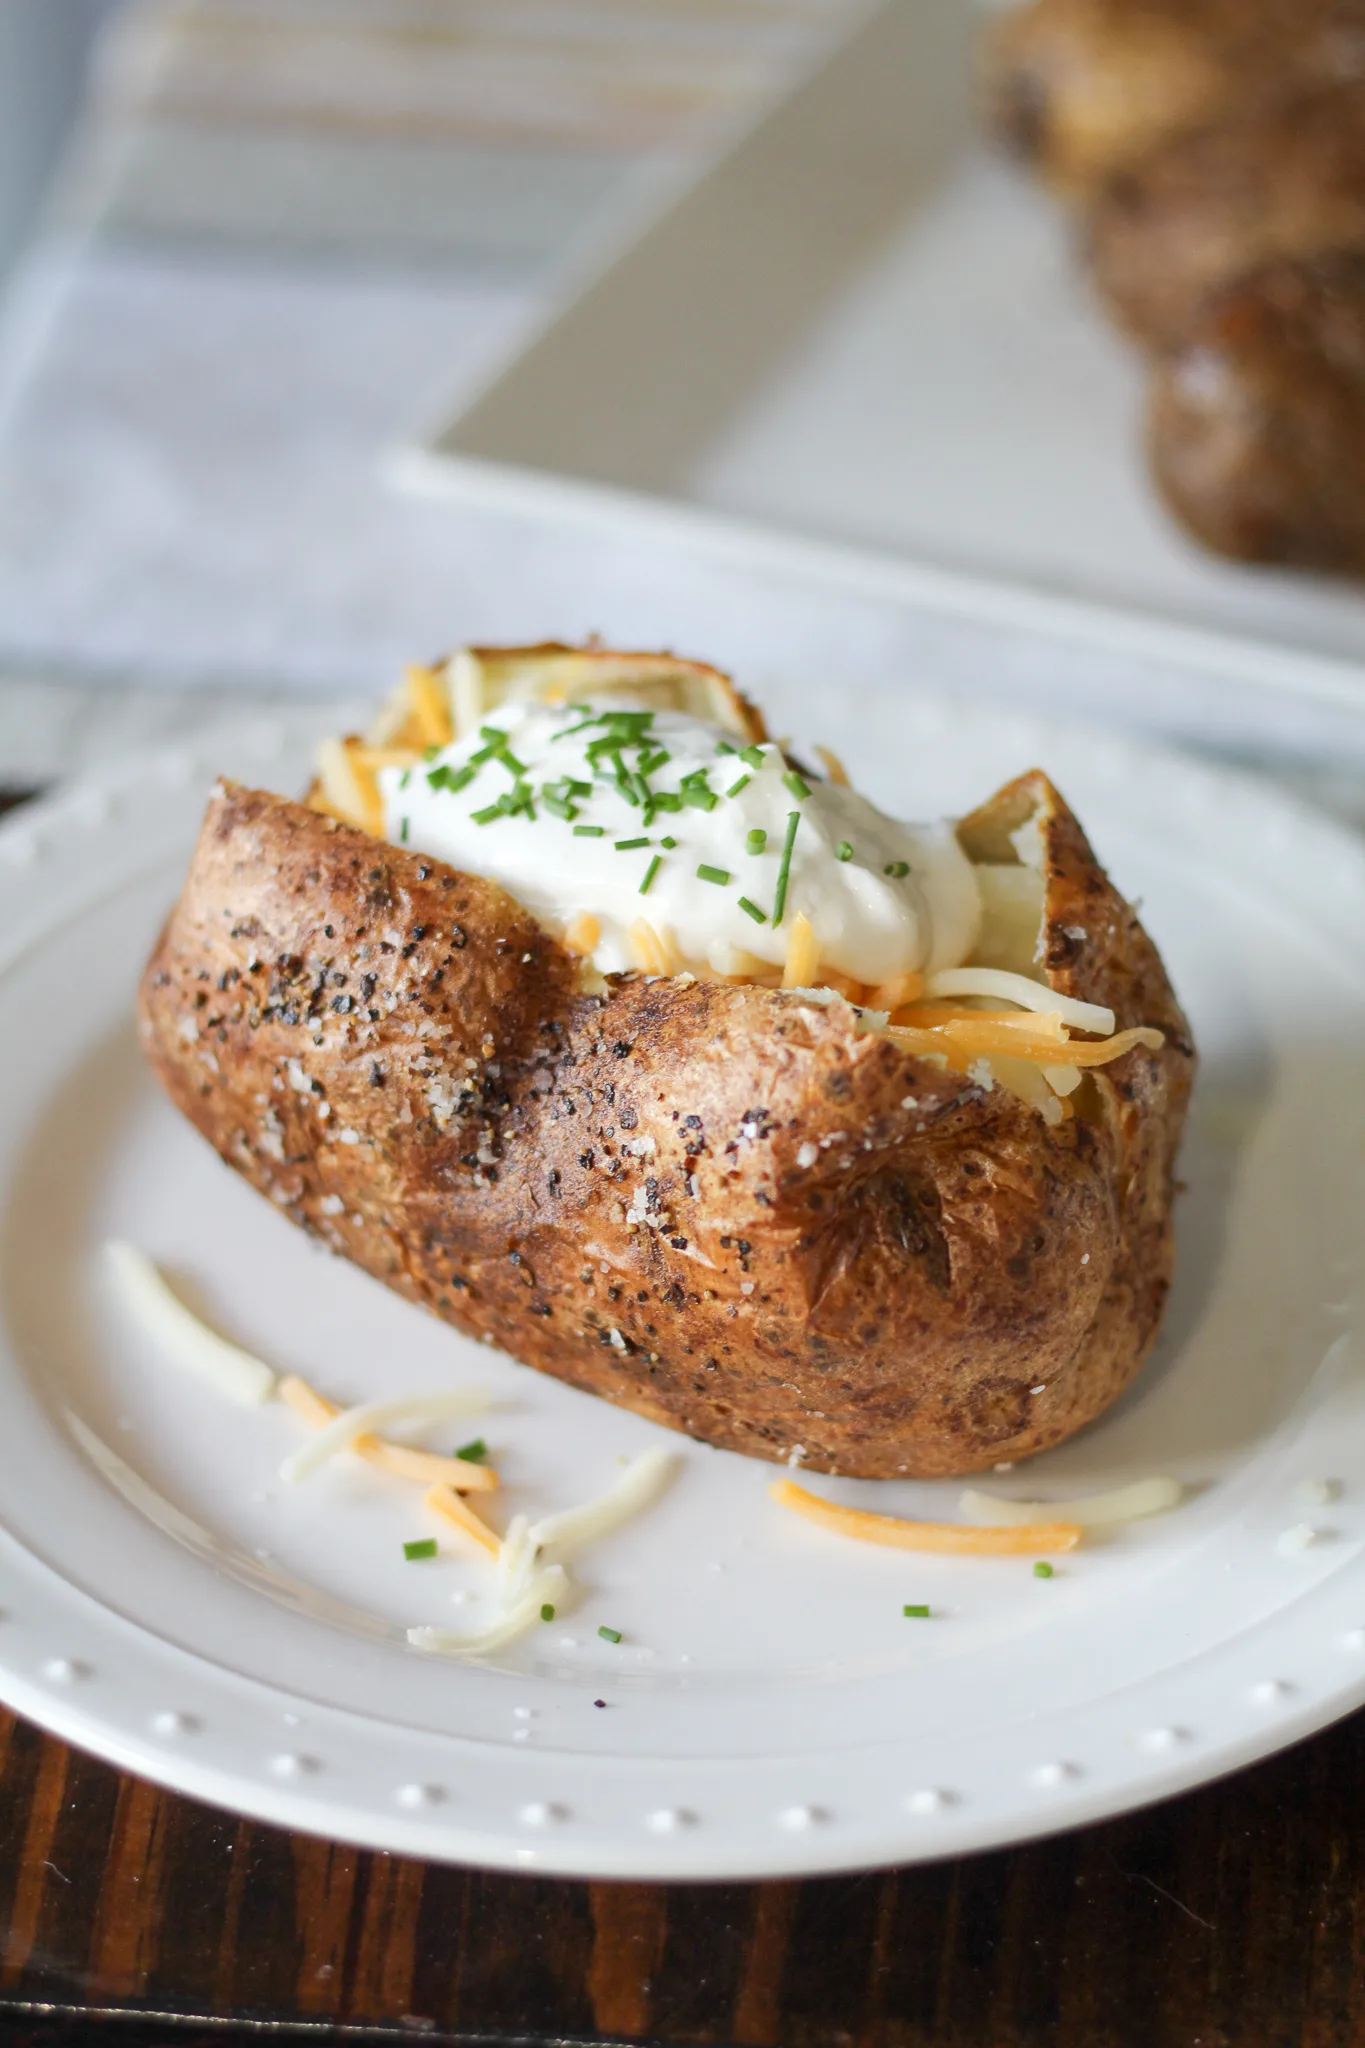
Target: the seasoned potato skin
(1083, 89)
(1257, 425)
(834, 1246)
(1193, 218)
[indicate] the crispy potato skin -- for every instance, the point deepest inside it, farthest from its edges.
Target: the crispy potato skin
(620, 1190)
(1257, 425)
(1193, 218)
(1083, 89)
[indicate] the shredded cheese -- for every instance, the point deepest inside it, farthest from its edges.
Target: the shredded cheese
(454, 1509)
(446, 1405)
(582, 933)
(428, 1467)
(211, 1358)
(834, 768)
(549, 1588)
(643, 1480)
(951, 1539)
(430, 706)
(895, 994)
(652, 950)
(1099, 1510)
(349, 789)
(1017, 988)
(803, 954)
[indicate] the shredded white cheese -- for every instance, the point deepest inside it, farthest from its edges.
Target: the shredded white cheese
(447, 1404)
(211, 1358)
(1028, 995)
(1123, 1504)
(547, 1589)
(643, 1480)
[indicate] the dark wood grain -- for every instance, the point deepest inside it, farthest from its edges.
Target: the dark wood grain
(1231, 1918)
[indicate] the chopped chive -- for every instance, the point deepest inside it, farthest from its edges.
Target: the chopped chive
(752, 757)
(629, 845)
(897, 869)
(797, 784)
(667, 800)
(709, 874)
(843, 851)
(667, 842)
(589, 831)
(724, 747)
(405, 778)
(784, 867)
(508, 760)
(756, 840)
(430, 753)
(496, 733)
(572, 788)
(403, 831)
(558, 806)
(916, 1613)
(736, 787)
(752, 910)
(424, 1546)
(487, 814)
(547, 1612)
(700, 799)
(1042, 1570)
(609, 1635)
(650, 872)
(453, 779)
(473, 1452)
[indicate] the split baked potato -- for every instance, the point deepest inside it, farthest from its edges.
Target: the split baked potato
(773, 1218)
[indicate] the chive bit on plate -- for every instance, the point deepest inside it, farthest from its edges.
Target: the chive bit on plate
(609, 1635)
(1042, 1570)
(547, 1612)
(421, 1546)
(474, 1451)
(916, 1613)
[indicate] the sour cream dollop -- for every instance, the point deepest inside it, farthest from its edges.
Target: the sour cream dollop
(622, 813)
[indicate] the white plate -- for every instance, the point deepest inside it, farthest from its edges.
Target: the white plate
(862, 326)
(170, 1605)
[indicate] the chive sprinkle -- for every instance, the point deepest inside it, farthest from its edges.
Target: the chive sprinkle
(752, 910)
(405, 778)
(736, 787)
(724, 747)
(558, 806)
(797, 784)
(629, 845)
(916, 1613)
(756, 840)
(1042, 1570)
(547, 1612)
(609, 1635)
(752, 757)
(650, 872)
(843, 851)
(709, 874)
(487, 814)
(589, 831)
(473, 1452)
(897, 869)
(667, 842)
(784, 867)
(403, 831)
(424, 1546)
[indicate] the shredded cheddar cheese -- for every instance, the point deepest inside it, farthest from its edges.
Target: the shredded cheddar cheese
(950, 1539)
(582, 933)
(832, 765)
(455, 1509)
(430, 706)
(803, 954)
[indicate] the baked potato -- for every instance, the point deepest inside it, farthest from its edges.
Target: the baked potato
(1083, 89)
(916, 1240)
(1192, 218)
(1257, 424)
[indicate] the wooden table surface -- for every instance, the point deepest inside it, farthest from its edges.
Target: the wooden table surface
(1231, 1918)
